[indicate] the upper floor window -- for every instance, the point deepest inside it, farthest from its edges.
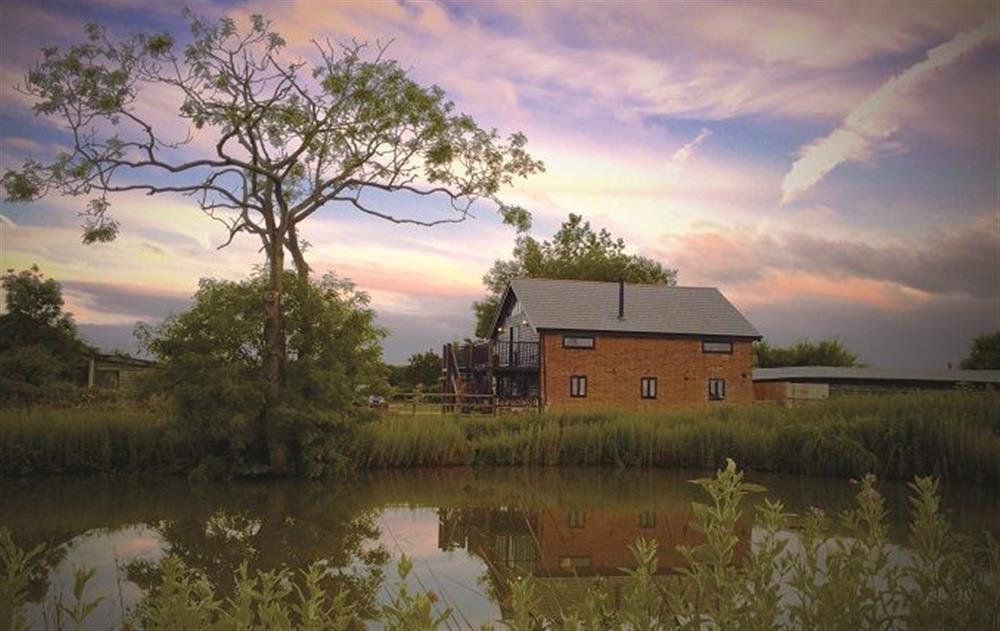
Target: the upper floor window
(716, 347)
(647, 387)
(716, 389)
(576, 518)
(578, 386)
(578, 341)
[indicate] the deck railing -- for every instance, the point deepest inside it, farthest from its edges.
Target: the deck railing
(515, 354)
(477, 355)
(437, 403)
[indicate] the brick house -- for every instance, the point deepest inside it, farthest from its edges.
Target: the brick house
(567, 344)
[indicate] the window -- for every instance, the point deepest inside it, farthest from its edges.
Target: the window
(647, 519)
(647, 387)
(716, 389)
(105, 378)
(717, 347)
(575, 341)
(576, 519)
(578, 386)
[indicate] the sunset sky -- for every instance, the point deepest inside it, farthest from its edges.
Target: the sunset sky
(831, 167)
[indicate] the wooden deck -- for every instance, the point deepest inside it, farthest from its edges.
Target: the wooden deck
(507, 371)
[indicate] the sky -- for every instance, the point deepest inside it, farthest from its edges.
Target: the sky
(832, 167)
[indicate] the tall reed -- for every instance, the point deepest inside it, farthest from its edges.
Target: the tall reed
(117, 439)
(955, 436)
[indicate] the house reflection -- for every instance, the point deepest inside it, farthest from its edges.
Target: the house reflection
(564, 547)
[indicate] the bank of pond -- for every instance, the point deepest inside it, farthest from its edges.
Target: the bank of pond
(952, 435)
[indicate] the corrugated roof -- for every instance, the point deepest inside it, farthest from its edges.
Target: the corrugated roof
(593, 306)
(874, 374)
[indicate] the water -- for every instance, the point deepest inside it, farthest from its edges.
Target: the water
(469, 531)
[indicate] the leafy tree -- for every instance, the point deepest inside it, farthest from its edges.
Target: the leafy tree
(984, 354)
(39, 345)
(278, 139)
(823, 353)
(576, 252)
(423, 369)
(212, 354)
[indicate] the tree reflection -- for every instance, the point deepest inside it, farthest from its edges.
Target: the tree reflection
(271, 525)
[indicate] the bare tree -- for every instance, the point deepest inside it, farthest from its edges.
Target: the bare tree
(288, 137)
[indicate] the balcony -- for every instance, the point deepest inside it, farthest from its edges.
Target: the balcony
(502, 355)
(515, 355)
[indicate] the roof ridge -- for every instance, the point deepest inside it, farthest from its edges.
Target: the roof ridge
(610, 282)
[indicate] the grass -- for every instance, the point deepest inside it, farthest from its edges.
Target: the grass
(953, 435)
(104, 440)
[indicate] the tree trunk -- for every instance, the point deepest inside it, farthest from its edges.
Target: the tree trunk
(274, 361)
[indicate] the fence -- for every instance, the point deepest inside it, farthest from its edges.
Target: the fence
(430, 403)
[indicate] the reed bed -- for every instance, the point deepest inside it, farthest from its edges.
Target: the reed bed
(954, 435)
(92, 440)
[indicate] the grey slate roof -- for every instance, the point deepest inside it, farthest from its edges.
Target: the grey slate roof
(593, 306)
(821, 373)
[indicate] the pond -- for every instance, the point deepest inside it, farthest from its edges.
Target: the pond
(469, 531)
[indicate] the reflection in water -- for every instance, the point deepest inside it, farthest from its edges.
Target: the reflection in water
(470, 531)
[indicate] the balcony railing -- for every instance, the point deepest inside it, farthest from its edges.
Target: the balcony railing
(515, 354)
(504, 355)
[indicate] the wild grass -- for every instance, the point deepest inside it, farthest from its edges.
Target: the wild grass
(810, 571)
(953, 435)
(91, 440)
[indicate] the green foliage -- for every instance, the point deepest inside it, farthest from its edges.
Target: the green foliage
(324, 129)
(984, 353)
(17, 567)
(823, 353)
(186, 599)
(422, 369)
(410, 611)
(101, 439)
(211, 363)
(40, 351)
(81, 608)
(575, 252)
(953, 435)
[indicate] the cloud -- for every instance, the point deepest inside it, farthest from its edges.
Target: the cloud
(932, 333)
(130, 302)
(684, 153)
(779, 265)
(874, 121)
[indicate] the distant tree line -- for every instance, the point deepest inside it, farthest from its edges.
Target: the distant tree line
(823, 353)
(421, 372)
(984, 353)
(41, 353)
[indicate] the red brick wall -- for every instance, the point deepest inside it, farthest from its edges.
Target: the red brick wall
(616, 364)
(605, 536)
